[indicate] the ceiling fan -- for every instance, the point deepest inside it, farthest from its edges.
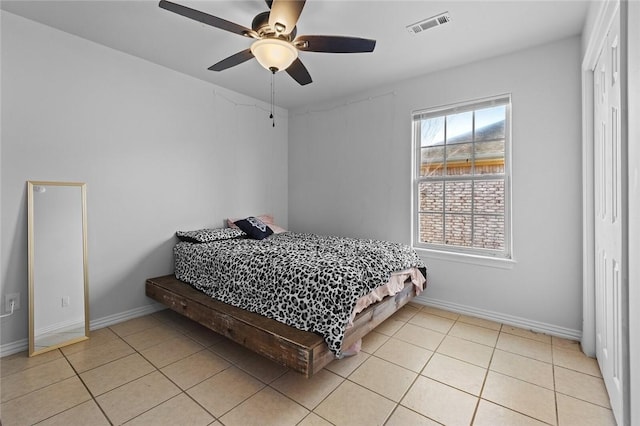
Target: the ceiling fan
(276, 45)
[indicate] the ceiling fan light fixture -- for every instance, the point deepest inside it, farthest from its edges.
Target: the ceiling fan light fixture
(274, 53)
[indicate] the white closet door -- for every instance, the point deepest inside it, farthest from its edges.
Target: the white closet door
(608, 223)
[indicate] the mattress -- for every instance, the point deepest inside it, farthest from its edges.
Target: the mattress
(308, 281)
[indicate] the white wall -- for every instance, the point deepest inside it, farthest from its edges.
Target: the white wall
(159, 151)
(350, 172)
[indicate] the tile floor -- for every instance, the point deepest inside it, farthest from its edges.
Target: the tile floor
(423, 366)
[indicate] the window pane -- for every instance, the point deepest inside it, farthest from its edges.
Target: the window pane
(432, 161)
(432, 131)
(490, 123)
(459, 127)
(460, 159)
(431, 229)
(488, 196)
(458, 196)
(432, 146)
(488, 232)
(489, 157)
(458, 230)
(431, 194)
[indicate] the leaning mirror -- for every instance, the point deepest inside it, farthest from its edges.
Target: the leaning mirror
(58, 277)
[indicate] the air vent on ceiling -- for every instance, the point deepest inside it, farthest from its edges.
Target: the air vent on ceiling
(425, 24)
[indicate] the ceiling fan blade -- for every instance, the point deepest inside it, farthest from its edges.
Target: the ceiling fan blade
(205, 18)
(284, 15)
(335, 44)
(232, 60)
(299, 72)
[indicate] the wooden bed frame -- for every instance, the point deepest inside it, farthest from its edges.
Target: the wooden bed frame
(302, 351)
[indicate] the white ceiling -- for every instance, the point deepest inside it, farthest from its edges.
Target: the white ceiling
(478, 29)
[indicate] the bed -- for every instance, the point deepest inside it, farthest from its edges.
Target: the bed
(299, 299)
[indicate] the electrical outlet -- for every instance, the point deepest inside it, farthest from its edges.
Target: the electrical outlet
(7, 302)
(65, 301)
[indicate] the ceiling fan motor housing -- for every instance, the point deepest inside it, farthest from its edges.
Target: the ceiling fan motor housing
(260, 25)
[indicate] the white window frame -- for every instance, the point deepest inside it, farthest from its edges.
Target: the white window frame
(443, 250)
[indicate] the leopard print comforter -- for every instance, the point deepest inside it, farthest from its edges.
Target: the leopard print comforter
(308, 281)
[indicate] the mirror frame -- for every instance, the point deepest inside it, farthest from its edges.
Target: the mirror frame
(31, 259)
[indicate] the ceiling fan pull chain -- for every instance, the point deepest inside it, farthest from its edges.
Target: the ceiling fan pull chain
(273, 96)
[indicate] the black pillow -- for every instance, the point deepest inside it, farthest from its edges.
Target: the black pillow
(254, 227)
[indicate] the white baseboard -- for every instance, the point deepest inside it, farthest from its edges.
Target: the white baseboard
(23, 344)
(527, 324)
(124, 316)
(14, 347)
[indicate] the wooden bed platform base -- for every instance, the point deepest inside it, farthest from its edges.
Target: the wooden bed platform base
(302, 351)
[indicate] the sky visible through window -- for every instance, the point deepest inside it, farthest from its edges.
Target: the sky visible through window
(459, 125)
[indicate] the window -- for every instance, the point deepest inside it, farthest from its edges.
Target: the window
(461, 190)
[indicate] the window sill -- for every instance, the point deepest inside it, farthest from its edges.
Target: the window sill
(473, 259)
